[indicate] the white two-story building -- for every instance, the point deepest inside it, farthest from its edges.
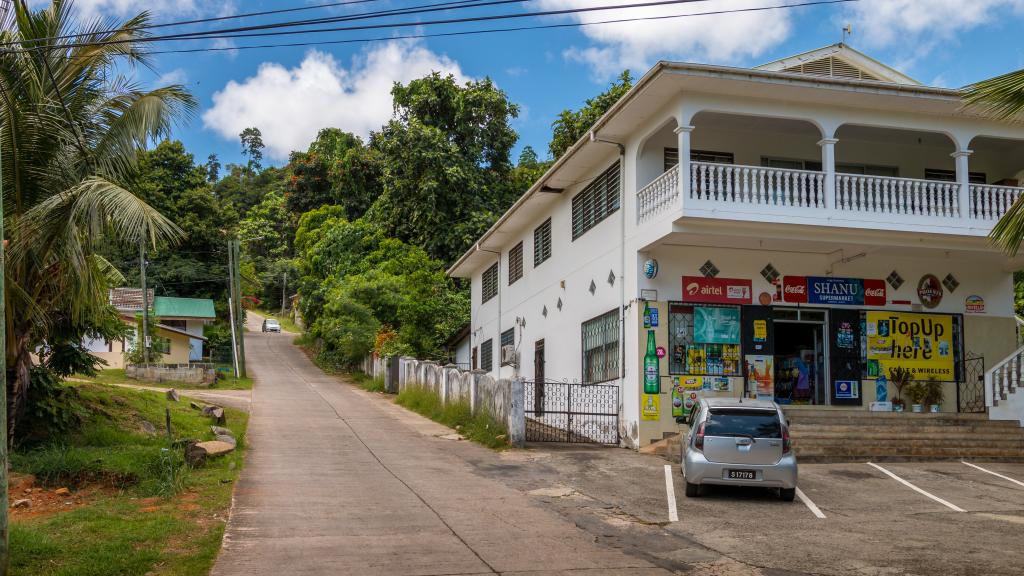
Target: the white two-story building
(794, 231)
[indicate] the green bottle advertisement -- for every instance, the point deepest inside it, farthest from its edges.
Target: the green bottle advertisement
(652, 383)
(647, 315)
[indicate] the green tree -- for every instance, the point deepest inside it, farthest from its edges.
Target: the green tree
(252, 148)
(69, 130)
(337, 169)
(572, 125)
(212, 168)
(446, 158)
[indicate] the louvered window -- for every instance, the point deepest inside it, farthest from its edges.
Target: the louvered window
(489, 283)
(831, 66)
(599, 200)
(601, 348)
(542, 243)
(487, 355)
(515, 263)
(672, 157)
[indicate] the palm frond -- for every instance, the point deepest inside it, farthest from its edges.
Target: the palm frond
(1001, 97)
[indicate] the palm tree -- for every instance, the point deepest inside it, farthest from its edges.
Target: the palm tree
(1002, 98)
(71, 126)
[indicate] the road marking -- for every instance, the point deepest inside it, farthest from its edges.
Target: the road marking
(810, 505)
(952, 507)
(1017, 482)
(670, 491)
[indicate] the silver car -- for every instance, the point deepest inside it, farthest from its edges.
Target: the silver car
(734, 442)
(271, 325)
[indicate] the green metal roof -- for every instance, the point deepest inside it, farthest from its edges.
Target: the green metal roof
(170, 307)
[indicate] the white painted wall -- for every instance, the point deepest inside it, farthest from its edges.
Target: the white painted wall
(195, 344)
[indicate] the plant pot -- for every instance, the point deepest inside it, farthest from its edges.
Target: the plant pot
(897, 407)
(917, 408)
(935, 407)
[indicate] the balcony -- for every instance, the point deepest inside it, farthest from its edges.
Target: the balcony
(803, 196)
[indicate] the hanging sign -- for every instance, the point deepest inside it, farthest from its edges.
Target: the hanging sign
(921, 343)
(974, 304)
(651, 268)
(835, 291)
(929, 291)
(794, 289)
(717, 290)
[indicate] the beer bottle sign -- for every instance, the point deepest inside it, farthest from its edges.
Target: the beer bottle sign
(647, 315)
(652, 382)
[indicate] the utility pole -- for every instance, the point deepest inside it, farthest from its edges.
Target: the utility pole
(239, 317)
(231, 307)
(284, 292)
(144, 337)
(5, 551)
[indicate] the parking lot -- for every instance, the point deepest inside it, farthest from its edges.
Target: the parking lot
(854, 518)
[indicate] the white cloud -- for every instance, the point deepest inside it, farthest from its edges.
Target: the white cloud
(721, 38)
(176, 76)
(91, 9)
(291, 105)
(919, 26)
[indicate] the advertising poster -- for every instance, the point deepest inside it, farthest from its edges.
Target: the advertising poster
(847, 389)
(650, 407)
(761, 375)
(760, 330)
(921, 343)
(677, 401)
(716, 325)
(689, 389)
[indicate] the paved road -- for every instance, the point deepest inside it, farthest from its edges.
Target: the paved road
(338, 481)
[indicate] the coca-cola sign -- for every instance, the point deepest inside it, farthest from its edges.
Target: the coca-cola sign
(874, 292)
(717, 290)
(794, 289)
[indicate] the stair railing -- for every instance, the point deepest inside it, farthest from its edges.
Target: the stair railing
(1004, 378)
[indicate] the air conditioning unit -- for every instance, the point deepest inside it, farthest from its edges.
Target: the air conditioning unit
(508, 354)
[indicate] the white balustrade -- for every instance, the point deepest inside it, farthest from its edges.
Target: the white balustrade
(1004, 378)
(990, 202)
(885, 194)
(729, 183)
(658, 196)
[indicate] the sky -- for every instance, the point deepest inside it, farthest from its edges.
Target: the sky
(290, 93)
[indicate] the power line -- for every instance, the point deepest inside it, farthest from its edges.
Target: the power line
(225, 34)
(500, 30)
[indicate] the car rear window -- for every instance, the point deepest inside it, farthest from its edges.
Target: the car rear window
(743, 422)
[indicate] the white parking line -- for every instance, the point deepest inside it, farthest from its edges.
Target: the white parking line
(1017, 482)
(952, 507)
(810, 505)
(670, 491)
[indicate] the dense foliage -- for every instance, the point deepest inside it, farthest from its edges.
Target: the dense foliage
(571, 125)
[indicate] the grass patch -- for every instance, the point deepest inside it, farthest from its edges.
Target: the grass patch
(367, 382)
(286, 322)
(154, 516)
(117, 376)
(480, 427)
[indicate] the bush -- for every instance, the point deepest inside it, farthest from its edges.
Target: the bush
(480, 427)
(52, 410)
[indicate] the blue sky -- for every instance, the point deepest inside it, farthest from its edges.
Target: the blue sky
(291, 92)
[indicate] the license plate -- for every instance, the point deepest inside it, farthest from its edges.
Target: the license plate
(742, 475)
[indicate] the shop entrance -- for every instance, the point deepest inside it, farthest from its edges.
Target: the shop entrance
(800, 357)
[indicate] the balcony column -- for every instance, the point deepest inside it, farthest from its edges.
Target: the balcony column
(683, 143)
(828, 166)
(963, 180)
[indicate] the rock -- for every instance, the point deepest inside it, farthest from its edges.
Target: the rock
(23, 503)
(148, 427)
(195, 455)
(172, 395)
(221, 431)
(215, 412)
(226, 439)
(62, 492)
(195, 405)
(215, 448)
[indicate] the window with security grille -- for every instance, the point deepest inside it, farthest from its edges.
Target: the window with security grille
(515, 263)
(671, 157)
(601, 348)
(487, 355)
(542, 243)
(599, 200)
(508, 338)
(489, 283)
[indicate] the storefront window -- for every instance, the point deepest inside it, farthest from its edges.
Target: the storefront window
(704, 340)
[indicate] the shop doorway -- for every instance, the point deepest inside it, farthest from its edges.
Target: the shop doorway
(800, 357)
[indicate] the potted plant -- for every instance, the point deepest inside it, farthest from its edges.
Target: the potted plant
(933, 394)
(916, 391)
(899, 377)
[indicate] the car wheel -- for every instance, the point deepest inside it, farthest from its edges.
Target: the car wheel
(692, 490)
(787, 494)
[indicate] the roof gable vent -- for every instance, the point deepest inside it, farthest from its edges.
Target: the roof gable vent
(830, 66)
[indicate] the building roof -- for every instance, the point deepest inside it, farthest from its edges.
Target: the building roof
(180, 331)
(662, 83)
(128, 299)
(839, 61)
(172, 307)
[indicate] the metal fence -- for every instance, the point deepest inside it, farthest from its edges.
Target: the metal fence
(571, 412)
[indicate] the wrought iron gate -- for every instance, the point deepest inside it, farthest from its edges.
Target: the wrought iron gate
(970, 394)
(567, 412)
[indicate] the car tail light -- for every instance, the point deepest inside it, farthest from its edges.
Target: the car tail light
(698, 442)
(787, 444)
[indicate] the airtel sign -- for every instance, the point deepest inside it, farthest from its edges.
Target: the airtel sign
(717, 290)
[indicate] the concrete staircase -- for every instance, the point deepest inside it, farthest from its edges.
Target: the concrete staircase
(824, 435)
